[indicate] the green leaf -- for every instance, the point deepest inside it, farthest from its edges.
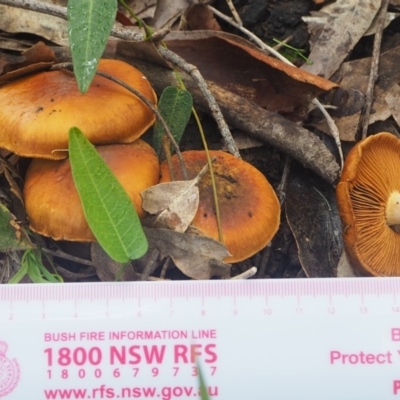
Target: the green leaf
(12, 237)
(109, 211)
(175, 105)
(203, 387)
(89, 26)
(31, 265)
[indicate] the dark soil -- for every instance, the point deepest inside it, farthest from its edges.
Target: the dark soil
(269, 20)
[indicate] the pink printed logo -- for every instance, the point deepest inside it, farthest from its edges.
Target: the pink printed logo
(9, 371)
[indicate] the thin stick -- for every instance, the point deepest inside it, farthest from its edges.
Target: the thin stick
(265, 255)
(331, 123)
(246, 274)
(69, 257)
(234, 12)
(373, 75)
(281, 189)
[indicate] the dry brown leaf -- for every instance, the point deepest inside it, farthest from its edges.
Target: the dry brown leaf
(393, 101)
(38, 58)
(143, 9)
(18, 20)
(199, 17)
(14, 187)
(167, 12)
(344, 269)
(145, 51)
(347, 22)
(107, 269)
(317, 20)
(198, 257)
(267, 81)
(313, 218)
(349, 99)
(175, 203)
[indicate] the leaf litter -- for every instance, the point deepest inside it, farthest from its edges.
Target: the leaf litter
(346, 22)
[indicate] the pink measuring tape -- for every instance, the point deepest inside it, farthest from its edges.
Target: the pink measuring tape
(308, 339)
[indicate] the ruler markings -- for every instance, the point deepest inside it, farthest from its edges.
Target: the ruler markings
(364, 287)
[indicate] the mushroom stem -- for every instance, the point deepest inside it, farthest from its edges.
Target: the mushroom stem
(393, 211)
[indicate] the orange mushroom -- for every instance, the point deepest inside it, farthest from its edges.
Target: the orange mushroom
(37, 111)
(52, 202)
(249, 207)
(368, 197)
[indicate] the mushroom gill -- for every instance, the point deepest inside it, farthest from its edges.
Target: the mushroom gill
(368, 196)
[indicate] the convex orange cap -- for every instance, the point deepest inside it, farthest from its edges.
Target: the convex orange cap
(249, 207)
(37, 111)
(52, 202)
(368, 197)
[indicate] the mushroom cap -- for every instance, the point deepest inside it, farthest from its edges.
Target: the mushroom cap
(371, 175)
(52, 202)
(249, 207)
(37, 111)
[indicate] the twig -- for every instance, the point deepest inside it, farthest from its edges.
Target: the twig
(373, 76)
(69, 257)
(333, 129)
(234, 12)
(331, 123)
(266, 254)
(246, 274)
(126, 34)
(166, 265)
(281, 189)
(151, 265)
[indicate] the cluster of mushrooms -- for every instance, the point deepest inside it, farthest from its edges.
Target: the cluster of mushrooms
(37, 113)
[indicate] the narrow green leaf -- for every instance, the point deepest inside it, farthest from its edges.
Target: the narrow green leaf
(203, 387)
(31, 265)
(175, 105)
(109, 211)
(12, 237)
(89, 26)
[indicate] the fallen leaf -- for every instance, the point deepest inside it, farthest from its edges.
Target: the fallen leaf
(199, 17)
(198, 257)
(33, 60)
(389, 17)
(349, 99)
(347, 22)
(167, 12)
(268, 82)
(314, 220)
(393, 101)
(107, 269)
(142, 9)
(145, 50)
(344, 269)
(12, 237)
(18, 20)
(175, 203)
(244, 141)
